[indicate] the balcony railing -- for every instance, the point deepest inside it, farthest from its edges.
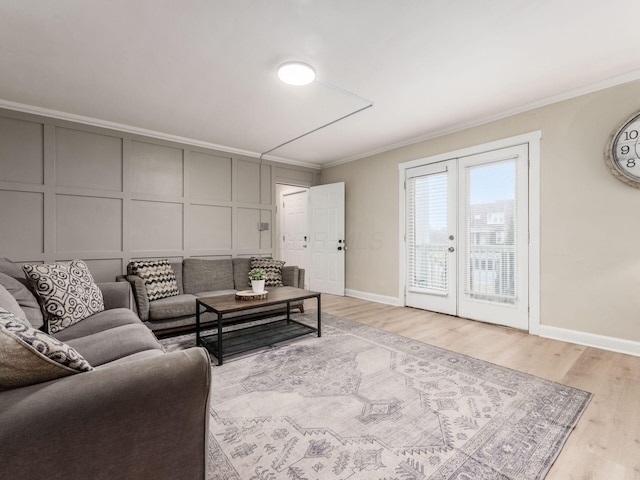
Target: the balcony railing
(490, 271)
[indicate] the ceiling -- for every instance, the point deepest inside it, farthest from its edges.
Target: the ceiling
(205, 70)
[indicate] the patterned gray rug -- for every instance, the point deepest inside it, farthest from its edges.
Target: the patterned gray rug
(362, 403)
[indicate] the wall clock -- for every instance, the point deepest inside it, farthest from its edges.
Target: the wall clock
(622, 155)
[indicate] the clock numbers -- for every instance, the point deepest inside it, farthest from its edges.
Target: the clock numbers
(622, 155)
(628, 144)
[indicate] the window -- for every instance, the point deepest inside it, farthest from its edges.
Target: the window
(427, 232)
(499, 238)
(495, 218)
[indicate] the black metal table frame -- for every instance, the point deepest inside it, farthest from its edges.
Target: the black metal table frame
(201, 340)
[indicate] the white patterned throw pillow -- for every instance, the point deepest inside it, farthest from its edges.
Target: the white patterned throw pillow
(272, 268)
(66, 292)
(158, 276)
(29, 356)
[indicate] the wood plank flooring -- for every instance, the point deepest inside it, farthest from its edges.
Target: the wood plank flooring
(605, 444)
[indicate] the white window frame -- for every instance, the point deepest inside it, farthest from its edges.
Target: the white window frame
(532, 140)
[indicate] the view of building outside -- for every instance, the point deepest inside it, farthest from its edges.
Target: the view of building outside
(490, 267)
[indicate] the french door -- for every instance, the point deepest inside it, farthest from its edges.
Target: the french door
(467, 237)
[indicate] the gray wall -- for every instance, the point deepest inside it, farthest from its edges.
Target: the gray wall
(71, 191)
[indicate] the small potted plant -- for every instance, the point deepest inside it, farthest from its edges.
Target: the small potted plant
(257, 276)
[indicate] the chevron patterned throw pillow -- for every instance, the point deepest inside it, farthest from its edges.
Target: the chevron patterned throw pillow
(159, 279)
(272, 268)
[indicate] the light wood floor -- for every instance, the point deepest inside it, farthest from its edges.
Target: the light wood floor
(605, 444)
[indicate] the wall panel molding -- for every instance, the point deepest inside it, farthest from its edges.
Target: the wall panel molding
(109, 196)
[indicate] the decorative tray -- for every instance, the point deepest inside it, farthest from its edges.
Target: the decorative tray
(249, 295)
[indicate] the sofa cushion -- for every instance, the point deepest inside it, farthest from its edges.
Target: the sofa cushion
(98, 322)
(29, 356)
(177, 306)
(272, 268)
(10, 304)
(199, 275)
(24, 296)
(67, 292)
(13, 270)
(115, 343)
(215, 293)
(241, 267)
(159, 279)
(133, 358)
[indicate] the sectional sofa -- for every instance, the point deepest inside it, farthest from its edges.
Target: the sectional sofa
(128, 410)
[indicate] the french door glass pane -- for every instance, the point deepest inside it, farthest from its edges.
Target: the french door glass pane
(427, 231)
(490, 259)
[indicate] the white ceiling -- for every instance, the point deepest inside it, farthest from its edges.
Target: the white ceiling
(205, 70)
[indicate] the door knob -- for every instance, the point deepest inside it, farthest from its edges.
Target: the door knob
(339, 248)
(451, 249)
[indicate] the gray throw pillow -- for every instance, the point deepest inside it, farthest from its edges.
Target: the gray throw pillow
(67, 292)
(29, 356)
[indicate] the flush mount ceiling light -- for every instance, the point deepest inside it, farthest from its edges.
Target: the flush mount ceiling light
(296, 73)
(299, 73)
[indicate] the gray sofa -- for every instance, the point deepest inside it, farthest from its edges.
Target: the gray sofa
(140, 413)
(201, 278)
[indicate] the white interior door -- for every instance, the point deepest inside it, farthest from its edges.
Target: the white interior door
(467, 237)
(327, 242)
(295, 229)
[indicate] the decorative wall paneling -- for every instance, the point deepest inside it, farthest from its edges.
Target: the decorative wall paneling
(70, 190)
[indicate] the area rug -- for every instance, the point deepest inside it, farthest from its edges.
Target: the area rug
(362, 403)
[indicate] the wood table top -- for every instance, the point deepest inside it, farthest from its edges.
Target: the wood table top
(277, 295)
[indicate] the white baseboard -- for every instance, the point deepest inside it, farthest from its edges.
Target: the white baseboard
(619, 345)
(613, 344)
(373, 297)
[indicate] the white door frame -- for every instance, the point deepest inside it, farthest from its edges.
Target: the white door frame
(532, 140)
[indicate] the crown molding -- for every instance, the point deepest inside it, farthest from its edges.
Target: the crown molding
(576, 92)
(71, 117)
(289, 161)
(95, 122)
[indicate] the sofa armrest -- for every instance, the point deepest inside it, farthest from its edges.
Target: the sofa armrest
(301, 278)
(141, 419)
(290, 276)
(139, 294)
(117, 295)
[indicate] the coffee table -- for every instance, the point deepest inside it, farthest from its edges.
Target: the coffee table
(223, 344)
